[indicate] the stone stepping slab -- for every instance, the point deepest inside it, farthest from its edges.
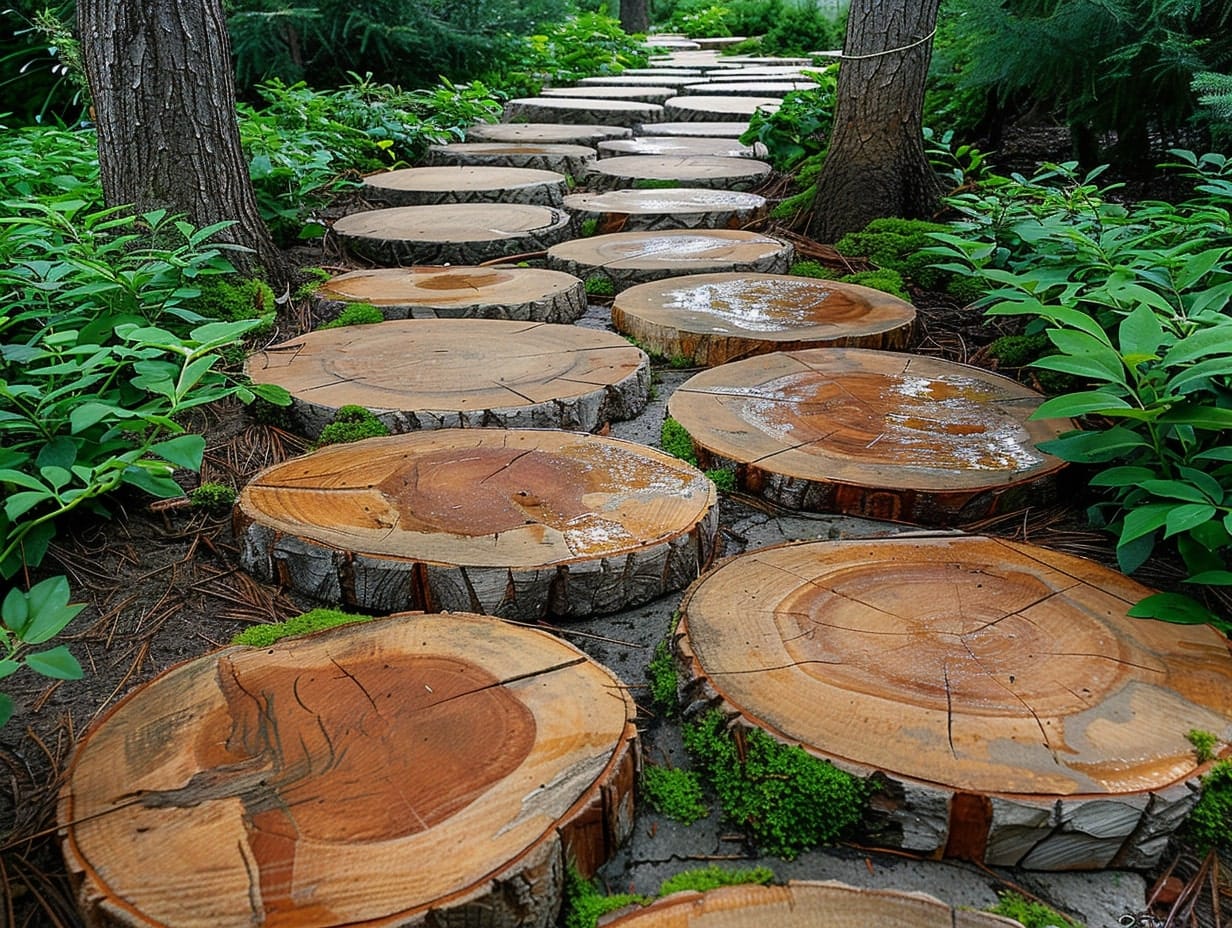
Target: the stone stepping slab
(771, 61)
(634, 171)
(749, 88)
(711, 319)
(430, 186)
(568, 160)
(580, 110)
(545, 133)
(520, 294)
(679, 43)
(666, 145)
(872, 433)
(455, 233)
(327, 780)
(468, 373)
(723, 129)
(720, 41)
(665, 71)
(525, 524)
(628, 258)
(650, 94)
(658, 79)
(728, 108)
(753, 72)
(672, 208)
(1017, 715)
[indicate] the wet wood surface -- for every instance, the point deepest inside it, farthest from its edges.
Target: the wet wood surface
(710, 171)
(672, 208)
(545, 133)
(639, 94)
(669, 146)
(460, 183)
(579, 110)
(526, 524)
(721, 129)
(400, 772)
(717, 108)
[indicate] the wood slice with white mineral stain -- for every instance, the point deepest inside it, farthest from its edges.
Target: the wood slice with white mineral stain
(1019, 714)
(872, 433)
(545, 133)
(717, 108)
(730, 129)
(671, 208)
(711, 319)
(575, 110)
(455, 233)
(750, 88)
(569, 160)
(666, 145)
(462, 183)
(651, 94)
(522, 524)
(521, 294)
(633, 171)
(412, 771)
(628, 258)
(658, 79)
(442, 373)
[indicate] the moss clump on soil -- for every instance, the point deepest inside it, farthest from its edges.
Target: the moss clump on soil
(1022, 350)
(262, 636)
(234, 298)
(1210, 822)
(674, 792)
(724, 478)
(589, 227)
(883, 279)
(1203, 743)
(1031, 914)
(675, 440)
(663, 679)
(898, 245)
(351, 423)
(356, 314)
(600, 286)
(215, 498)
(584, 904)
(713, 877)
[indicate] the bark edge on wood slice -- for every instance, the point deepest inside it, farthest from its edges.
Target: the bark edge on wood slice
(722, 129)
(466, 183)
(523, 524)
(717, 108)
(672, 208)
(805, 904)
(716, 171)
(713, 319)
(547, 133)
(666, 145)
(575, 110)
(1000, 699)
(569, 160)
(272, 786)
(470, 373)
(872, 433)
(518, 294)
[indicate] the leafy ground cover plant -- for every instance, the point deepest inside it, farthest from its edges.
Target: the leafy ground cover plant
(800, 128)
(674, 792)
(589, 44)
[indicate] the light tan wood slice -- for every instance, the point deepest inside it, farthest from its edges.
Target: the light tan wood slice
(442, 373)
(642, 94)
(658, 79)
(717, 108)
(581, 110)
(521, 294)
(874, 433)
(522, 524)
(541, 133)
(731, 129)
(676, 43)
(1020, 716)
(758, 72)
(455, 233)
(709, 171)
(712, 319)
(429, 186)
(569, 160)
(720, 41)
(805, 905)
(668, 146)
(674, 208)
(768, 61)
(412, 771)
(628, 258)
(748, 88)
(665, 71)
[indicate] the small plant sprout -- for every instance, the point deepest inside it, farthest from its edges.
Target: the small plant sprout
(1203, 742)
(33, 617)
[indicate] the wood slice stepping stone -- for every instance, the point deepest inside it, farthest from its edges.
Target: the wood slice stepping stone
(715, 318)
(706, 171)
(771, 61)
(581, 110)
(730, 107)
(802, 904)
(669, 146)
(651, 94)
(720, 41)
(665, 71)
(748, 88)
(1019, 715)
(442, 373)
(628, 258)
(521, 294)
(679, 43)
(674, 208)
(784, 72)
(332, 780)
(522, 524)
(466, 184)
(568, 160)
(455, 233)
(872, 433)
(719, 130)
(545, 133)
(658, 79)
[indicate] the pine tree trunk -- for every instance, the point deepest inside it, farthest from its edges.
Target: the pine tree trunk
(634, 16)
(876, 165)
(164, 98)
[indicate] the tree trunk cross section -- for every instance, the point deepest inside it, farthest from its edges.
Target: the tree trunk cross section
(394, 773)
(717, 171)
(429, 186)
(672, 208)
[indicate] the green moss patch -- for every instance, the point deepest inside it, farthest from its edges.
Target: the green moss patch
(262, 636)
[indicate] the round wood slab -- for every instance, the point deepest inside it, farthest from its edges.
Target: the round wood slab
(521, 294)
(758, 72)
(665, 71)
(749, 88)
(1001, 685)
(439, 373)
(873, 433)
(550, 133)
(650, 94)
(579, 110)
(419, 770)
(628, 258)
(720, 41)
(569, 160)
(710, 171)
(455, 233)
(717, 108)
(658, 79)
(805, 905)
(715, 318)
(672, 208)
(665, 145)
(719, 130)
(523, 524)
(466, 184)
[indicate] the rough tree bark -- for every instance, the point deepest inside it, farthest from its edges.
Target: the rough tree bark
(164, 102)
(634, 16)
(876, 166)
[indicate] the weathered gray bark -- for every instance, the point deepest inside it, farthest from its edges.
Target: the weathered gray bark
(164, 100)
(876, 165)
(634, 16)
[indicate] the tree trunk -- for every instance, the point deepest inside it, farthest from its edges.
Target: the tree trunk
(634, 16)
(164, 98)
(876, 166)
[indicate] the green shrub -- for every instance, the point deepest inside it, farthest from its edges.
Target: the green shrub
(1210, 823)
(600, 286)
(723, 478)
(674, 792)
(1031, 914)
(802, 27)
(215, 498)
(702, 22)
(584, 904)
(663, 679)
(675, 440)
(800, 128)
(262, 636)
(586, 45)
(356, 314)
(706, 878)
(351, 423)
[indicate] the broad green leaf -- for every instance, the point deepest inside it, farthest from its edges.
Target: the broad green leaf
(1133, 555)
(1125, 476)
(86, 415)
(1203, 481)
(56, 663)
(1094, 447)
(1199, 417)
(1080, 346)
(1183, 518)
(50, 609)
(1174, 607)
(59, 452)
(1198, 265)
(1085, 367)
(1143, 521)
(1222, 453)
(1174, 489)
(15, 611)
(159, 486)
(1192, 377)
(1140, 334)
(8, 668)
(271, 393)
(1078, 404)
(18, 504)
(17, 478)
(1212, 578)
(182, 451)
(57, 477)
(193, 372)
(6, 709)
(1215, 340)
